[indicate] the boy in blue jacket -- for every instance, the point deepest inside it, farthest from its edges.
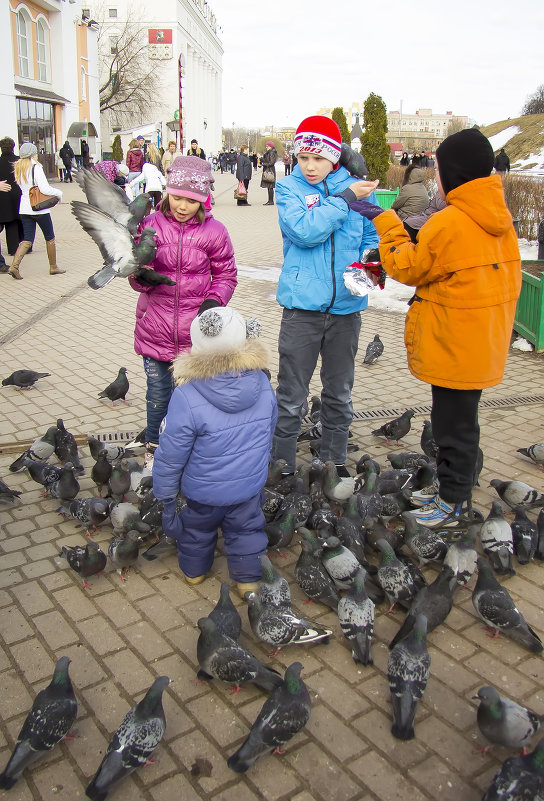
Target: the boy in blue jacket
(321, 237)
(214, 446)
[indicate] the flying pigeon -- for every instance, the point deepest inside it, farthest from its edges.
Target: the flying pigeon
(428, 444)
(87, 561)
(281, 625)
(310, 574)
(356, 616)
(524, 536)
(374, 350)
(7, 495)
(66, 447)
(40, 450)
(499, 612)
(496, 540)
(89, 512)
(283, 714)
(503, 722)
(397, 428)
(118, 389)
(102, 194)
(519, 778)
(133, 743)
(517, 493)
(225, 615)
(123, 552)
(221, 657)
(434, 601)
(52, 716)
(408, 670)
(535, 453)
(23, 379)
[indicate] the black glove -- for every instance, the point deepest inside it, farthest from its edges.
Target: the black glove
(209, 303)
(366, 209)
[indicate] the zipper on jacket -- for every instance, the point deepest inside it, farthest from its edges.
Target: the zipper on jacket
(331, 304)
(178, 276)
(414, 298)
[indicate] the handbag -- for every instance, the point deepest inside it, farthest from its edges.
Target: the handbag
(240, 193)
(268, 176)
(39, 201)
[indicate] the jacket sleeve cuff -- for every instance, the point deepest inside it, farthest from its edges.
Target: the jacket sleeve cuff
(348, 195)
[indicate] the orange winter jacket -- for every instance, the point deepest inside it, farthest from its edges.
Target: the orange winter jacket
(467, 272)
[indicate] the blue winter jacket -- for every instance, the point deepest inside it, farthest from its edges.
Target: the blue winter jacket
(321, 237)
(216, 437)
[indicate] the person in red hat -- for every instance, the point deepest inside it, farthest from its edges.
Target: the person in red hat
(321, 237)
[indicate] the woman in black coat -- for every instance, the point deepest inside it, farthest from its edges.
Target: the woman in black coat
(9, 201)
(405, 161)
(67, 154)
(269, 171)
(243, 173)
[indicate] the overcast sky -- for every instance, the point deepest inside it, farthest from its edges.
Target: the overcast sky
(284, 61)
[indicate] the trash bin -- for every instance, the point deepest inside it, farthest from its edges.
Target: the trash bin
(386, 197)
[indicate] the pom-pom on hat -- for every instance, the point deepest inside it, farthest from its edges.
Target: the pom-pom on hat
(462, 157)
(218, 330)
(270, 144)
(189, 176)
(321, 136)
(27, 150)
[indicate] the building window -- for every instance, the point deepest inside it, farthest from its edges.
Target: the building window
(83, 84)
(113, 44)
(23, 44)
(112, 13)
(42, 39)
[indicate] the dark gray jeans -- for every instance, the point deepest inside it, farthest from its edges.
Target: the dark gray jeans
(304, 336)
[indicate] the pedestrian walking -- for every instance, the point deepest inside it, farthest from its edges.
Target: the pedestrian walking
(152, 179)
(268, 178)
(195, 150)
(134, 159)
(67, 154)
(9, 200)
(286, 158)
(169, 156)
(243, 173)
(502, 162)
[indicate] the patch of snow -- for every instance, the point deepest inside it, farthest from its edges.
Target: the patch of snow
(528, 250)
(533, 159)
(522, 344)
(500, 139)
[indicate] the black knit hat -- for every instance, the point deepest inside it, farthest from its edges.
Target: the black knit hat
(462, 157)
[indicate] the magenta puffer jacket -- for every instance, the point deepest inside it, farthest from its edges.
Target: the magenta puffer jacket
(199, 257)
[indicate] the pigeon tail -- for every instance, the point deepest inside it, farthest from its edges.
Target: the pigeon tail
(7, 781)
(95, 793)
(360, 648)
(101, 278)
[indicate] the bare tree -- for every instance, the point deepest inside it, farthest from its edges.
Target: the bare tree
(454, 126)
(535, 102)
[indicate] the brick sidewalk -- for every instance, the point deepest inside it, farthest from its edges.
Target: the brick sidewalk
(120, 636)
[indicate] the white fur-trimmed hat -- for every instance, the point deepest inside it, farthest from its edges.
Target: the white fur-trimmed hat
(217, 330)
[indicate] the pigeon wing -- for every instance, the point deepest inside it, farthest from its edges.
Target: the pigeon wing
(113, 239)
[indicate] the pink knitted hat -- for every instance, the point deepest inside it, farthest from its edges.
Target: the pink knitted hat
(189, 176)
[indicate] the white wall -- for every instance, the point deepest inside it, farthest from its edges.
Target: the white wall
(7, 93)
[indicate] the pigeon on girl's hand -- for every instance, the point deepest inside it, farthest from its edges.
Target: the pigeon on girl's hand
(87, 561)
(89, 512)
(52, 716)
(7, 495)
(374, 350)
(524, 536)
(503, 722)
(40, 450)
(66, 447)
(283, 714)
(434, 601)
(496, 540)
(102, 194)
(408, 670)
(396, 429)
(353, 161)
(118, 389)
(23, 379)
(133, 743)
(499, 612)
(225, 615)
(535, 453)
(519, 778)
(356, 616)
(517, 493)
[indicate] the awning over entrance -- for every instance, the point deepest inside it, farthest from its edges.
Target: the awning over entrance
(81, 129)
(39, 94)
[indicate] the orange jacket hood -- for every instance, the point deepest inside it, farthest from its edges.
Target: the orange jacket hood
(483, 201)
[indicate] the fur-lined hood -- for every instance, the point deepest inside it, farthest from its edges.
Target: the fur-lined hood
(190, 366)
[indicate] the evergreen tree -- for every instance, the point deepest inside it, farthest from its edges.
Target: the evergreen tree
(340, 119)
(373, 144)
(535, 102)
(117, 150)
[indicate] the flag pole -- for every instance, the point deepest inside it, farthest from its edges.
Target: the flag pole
(180, 77)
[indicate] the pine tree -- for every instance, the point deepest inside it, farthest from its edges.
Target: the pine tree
(117, 150)
(373, 144)
(340, 119)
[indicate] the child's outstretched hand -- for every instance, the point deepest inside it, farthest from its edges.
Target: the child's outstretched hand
(363, 189)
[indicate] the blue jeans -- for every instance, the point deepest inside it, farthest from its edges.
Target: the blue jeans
(160, 386)
(29, 222)
(304, 336)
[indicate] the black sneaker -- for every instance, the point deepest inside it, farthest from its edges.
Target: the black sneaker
(342, 471)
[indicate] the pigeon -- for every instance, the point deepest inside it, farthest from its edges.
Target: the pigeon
(428, 444)
(275, 472)
(425, 544)
(314, 432)
(339, 562)
(102, 194)
(273, 588)
(299, 500)
(356, 616)
(126, 516)
(395, 503)
(539, 553)
(23, 379)
(315, 408)
(89, 512)
(335, 488)
(101, 471)
(113, 451)
(52, 716)
(42, 472)
(281, 625)
(499, 612)
(87, 561)
(407, 460)
(375, 529)
(397, 428)
(496, 540)
(123, 552)
(461, 557)
(421, 478)
(283, 714)
(7, 495)
(369, 500)
(66, 487)
(119, 483)
(408, 669)
(517, 493)
(225, 615)
(280, 530)
(535, 453)
(310, 574)
(272, 503)
(503, 722)
(221, 657)
(524, 536)
(121, 254)
(118, 389)
(163, 546)
(519, 778)
(366, 464)
(133, 743)
(374, 350)
(66, 447)
(395, 577)
(150, 277)
(434, 601)
(40, 450)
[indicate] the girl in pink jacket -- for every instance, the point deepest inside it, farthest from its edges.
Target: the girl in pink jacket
(195, 251)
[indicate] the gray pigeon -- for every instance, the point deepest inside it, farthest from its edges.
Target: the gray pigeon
(40, 450)
(280, 531)
(535, 453)
(102, 194)
(395, 577)
(225, 615)
(425, 544)
(23, 379)
(496, 540)
(407, 460)
(42, 472)
(118, 389)
(133, 743)
(374, 350)
(369, 500)
(273, 588)
(519, 778)
(52, 716)
(408, 670)
(428, 444)
(539, 553)
(126, 516)
(119, 482)
(461, 557)
(499, 612)
(101, 471)
(524, 536)
(281, 625)
(339, 562)
(517, 493)
(356, 616)
(283, 714)
(66, 447)
(315, 408)
(113, 450)
(503, 722)
(435, 601)
(89, 512)
(221, 657)
(310, 574)
(87, 561)
(123, 552)
(7, 495)
(65, 487)
(335, 488)
(396, 429)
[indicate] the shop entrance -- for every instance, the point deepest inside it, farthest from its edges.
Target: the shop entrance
(35, 124)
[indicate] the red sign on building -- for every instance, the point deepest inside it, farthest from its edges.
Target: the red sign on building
(159, 35)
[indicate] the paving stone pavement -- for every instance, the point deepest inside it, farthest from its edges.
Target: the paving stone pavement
(121, 635)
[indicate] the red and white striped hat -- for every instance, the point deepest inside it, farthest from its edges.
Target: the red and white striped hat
(320, 136)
